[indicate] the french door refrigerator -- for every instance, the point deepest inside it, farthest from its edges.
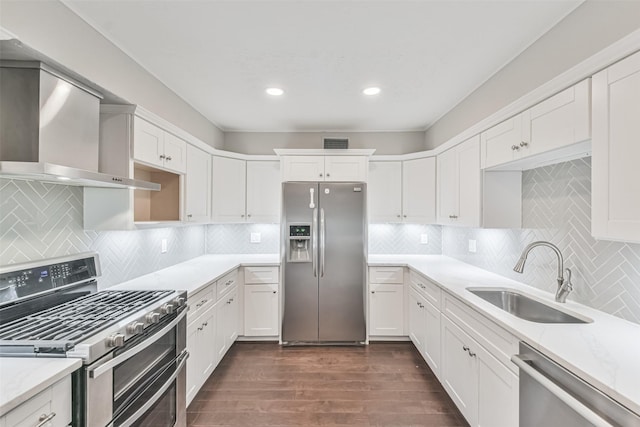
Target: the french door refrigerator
(324, 249)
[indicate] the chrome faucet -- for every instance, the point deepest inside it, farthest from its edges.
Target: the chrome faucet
(564, 285)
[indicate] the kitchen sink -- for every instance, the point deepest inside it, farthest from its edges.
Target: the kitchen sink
(525, 307)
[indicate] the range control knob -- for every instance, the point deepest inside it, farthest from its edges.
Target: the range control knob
(135, 328)
(115, 340)
(152, 317)
(167, 308)
(179, 302)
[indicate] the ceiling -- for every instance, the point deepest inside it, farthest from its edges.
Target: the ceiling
(220, 56)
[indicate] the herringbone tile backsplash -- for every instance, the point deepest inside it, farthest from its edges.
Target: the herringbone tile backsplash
(236, 239)
(40, 220)
(404, 239)
(556, 205)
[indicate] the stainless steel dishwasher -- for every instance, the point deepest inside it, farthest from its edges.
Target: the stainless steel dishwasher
(551, 396)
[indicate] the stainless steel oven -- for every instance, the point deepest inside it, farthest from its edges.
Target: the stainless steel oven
(142, 383)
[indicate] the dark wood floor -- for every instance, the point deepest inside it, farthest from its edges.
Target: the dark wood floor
(384, 384)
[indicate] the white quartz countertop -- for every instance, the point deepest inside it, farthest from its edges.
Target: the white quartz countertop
(604, 353)
(195, 274)
(23, 378)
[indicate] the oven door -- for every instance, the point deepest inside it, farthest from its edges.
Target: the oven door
(142, 383)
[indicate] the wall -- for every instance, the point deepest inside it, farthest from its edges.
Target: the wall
(39, 220)
(265, 142)
(52, 29)
(557, 207)
(593, 26)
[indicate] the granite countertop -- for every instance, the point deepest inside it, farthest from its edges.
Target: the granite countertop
(604, 353)
(21, 378)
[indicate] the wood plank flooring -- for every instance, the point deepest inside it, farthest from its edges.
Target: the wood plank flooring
(384, 384)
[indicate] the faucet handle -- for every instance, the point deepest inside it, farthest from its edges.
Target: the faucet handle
(565, 287)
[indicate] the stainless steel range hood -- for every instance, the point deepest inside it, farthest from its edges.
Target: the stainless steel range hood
(49, 129)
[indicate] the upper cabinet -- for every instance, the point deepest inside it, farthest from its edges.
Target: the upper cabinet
(245, 191)
(545, 132)
(615, 205)
(384, 191)
(198, 185)
(157, 147)
(324, 168)
(459, 184)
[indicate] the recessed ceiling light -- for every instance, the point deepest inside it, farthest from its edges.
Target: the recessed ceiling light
(274, 91)
(63, 178)
(371, 91)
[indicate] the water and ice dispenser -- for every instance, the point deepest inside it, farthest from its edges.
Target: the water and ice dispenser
(299, 247)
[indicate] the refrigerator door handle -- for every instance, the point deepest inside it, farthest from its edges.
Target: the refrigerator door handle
(314, 242)
(322, 237)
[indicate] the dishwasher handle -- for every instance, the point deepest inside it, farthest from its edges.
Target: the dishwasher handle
(560, 393)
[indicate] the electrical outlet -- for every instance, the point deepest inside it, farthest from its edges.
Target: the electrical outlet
(472, 246)
(163, 246)
(256, 237)
(424, 239)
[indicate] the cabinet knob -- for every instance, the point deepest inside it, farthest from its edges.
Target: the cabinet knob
(275, 292)
(320, 175)
(248, 215)
(242, 216)
(189, 216)
(465, 348)
(328, 175)
(515, 147)
(162, 156)
(373, 292)
(168, 157)
(399, 216)
(404, 216)
(523, 144)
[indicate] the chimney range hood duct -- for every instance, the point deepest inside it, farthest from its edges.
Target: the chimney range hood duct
(49, 129)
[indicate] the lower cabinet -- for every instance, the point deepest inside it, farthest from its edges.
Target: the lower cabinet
(226, 312)
(386, 308)
(51, 408)
(200, 340)
(260, 310)
(483, 389)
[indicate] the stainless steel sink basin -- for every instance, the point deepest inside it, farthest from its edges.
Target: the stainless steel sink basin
(525, 307)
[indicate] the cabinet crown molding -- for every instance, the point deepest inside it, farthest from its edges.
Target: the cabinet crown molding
(323, 152)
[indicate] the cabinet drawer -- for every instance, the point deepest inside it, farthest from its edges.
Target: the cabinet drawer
(226, 283)
(200, 301)
(426, 288)
(55, 399)
(386, 275)
(498, 342)
(261, 275)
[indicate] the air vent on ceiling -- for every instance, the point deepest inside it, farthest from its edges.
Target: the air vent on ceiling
(336, 143)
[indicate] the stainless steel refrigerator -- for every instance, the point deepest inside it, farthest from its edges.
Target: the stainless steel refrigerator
(323, 238)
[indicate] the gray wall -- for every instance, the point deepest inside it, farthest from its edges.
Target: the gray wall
(52, 29)
(265, 142)
(590, 28)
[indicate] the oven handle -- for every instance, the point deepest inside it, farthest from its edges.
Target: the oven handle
(560, 393)
(96, 372)
(144, 408)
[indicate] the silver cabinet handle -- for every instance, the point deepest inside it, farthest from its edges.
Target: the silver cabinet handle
(189, 216)
(275, 292)
(373, 292)
(399, 216)
(169, 158)
(523, 144)
(162, 156)
(96, 372)
(465, 348)
(322, 242)
(44, 419)
(248, 215)
(320, 175)
(515, 147)
(328, 175)
(242, 216)
(404, 216)
(559, 392)
(314, 242)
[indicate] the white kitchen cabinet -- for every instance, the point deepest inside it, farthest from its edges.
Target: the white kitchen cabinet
(424, 300)
(53, 403)
(198, 185)
(384, 192)
(324, 168)
(386, 310)
(417, 321)
(228, 189)
(264, 191)
(157, 147)
(432, 344)
(459, 184)
(529, 139)
(419, 190)
(615, 205)
(201, 334)
(498, 390)
(260, 310)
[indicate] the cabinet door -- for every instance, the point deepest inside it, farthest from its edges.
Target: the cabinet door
(498, 390)
(469, 183)
(198, 185)
(386, 305)
(416, 320)
(302, 168)
(432, 334)
(228, 190)
(447, 187)
(175, 153)
(53, 401)
(384, 192)
(501, 143)
(264, 189)
(261, 310)
(220, 340)
(148, 141)
(419, 190)
(231, 318)
(459, 370)
(561, 120)
(615, 207)
(346, 168)
(194, 362)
